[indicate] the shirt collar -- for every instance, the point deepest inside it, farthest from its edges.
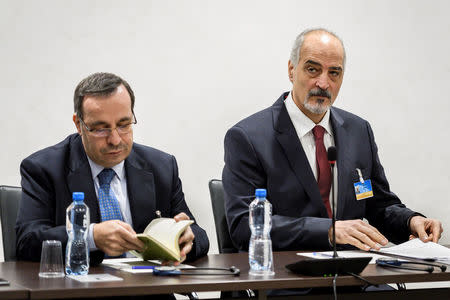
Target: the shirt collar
(96, 169)
(302, 123)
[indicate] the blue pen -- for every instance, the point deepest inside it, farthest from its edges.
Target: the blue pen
(142, 267)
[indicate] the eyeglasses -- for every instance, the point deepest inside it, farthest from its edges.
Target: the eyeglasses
(105, 132)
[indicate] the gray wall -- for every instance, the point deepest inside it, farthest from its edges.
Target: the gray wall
(198, 67)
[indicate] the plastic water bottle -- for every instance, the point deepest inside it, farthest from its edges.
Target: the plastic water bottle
(77, 224)
(260, 250)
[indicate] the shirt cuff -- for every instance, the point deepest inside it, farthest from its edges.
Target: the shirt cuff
(90, 238)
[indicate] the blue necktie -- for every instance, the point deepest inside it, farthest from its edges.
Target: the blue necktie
(109, 206)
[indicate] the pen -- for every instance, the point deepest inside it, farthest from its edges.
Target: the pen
(142, 267)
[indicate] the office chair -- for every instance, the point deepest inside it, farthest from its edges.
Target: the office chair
(218, 206)
(9, 206)
(223, 235)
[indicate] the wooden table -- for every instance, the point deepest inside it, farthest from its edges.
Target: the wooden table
(24, 276)
(13, 291)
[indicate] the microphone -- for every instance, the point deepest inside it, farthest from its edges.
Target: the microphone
(335, 264)
(332, 156)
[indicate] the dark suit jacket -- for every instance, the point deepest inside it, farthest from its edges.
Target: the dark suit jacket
(264, 151)
(51, 175)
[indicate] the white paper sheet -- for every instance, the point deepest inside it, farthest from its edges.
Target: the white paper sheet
(417, 248)
(413, 248)
(126, 264)
(95, 278)
(346, 254)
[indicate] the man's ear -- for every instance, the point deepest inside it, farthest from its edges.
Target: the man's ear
(76, 121)
(291, 71)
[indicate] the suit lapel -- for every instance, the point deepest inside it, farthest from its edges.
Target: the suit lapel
(290, 143)
(79, 177)
(341, 139)
(140, 185)
(141, 191)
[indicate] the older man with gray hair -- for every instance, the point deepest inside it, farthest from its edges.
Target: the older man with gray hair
(283, 149)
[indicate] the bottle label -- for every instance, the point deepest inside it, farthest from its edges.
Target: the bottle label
(267, 215)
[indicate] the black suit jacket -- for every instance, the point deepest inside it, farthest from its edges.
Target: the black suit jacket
(51, 175)
(264, 151)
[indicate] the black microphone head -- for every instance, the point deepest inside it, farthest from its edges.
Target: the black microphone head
(332, 154)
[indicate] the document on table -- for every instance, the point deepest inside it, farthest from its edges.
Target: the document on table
(414, 248)
(135, 265)
(344, 253)
(126, 264)
(95, 277)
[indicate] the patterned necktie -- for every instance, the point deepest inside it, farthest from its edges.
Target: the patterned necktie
(109, 206)
(323, 168)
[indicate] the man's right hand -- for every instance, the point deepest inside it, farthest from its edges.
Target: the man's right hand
(359, 234)
(115, 237)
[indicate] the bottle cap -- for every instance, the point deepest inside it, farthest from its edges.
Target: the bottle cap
(78, 196)
(260, 193)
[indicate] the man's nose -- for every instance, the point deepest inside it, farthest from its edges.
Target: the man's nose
(114, 137)
(322, 82)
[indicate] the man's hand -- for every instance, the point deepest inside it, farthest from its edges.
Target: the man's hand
(115, 237)
(359, 234)
(186, 240)
(425, 229)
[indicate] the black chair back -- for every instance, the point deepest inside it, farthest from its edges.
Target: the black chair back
(9, 206)
(218, 206)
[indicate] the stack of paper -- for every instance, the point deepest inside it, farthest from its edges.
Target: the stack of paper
(418, 249)
(414, 248)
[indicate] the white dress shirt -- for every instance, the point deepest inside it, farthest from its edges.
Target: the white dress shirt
(304, 126)
(118, 187)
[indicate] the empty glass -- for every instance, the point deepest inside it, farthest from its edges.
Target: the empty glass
(51, 260)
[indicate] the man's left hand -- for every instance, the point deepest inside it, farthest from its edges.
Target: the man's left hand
(425, 229)
(186, 240)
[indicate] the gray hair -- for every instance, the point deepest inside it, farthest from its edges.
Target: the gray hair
(98, 84)
(295, 52)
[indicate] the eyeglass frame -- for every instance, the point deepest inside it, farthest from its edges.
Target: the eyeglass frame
(109, 130)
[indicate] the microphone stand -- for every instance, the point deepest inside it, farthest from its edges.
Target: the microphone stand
(334, 265)
(333, 210)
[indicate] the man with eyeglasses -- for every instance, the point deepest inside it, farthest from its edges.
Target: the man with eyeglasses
(142, 182)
